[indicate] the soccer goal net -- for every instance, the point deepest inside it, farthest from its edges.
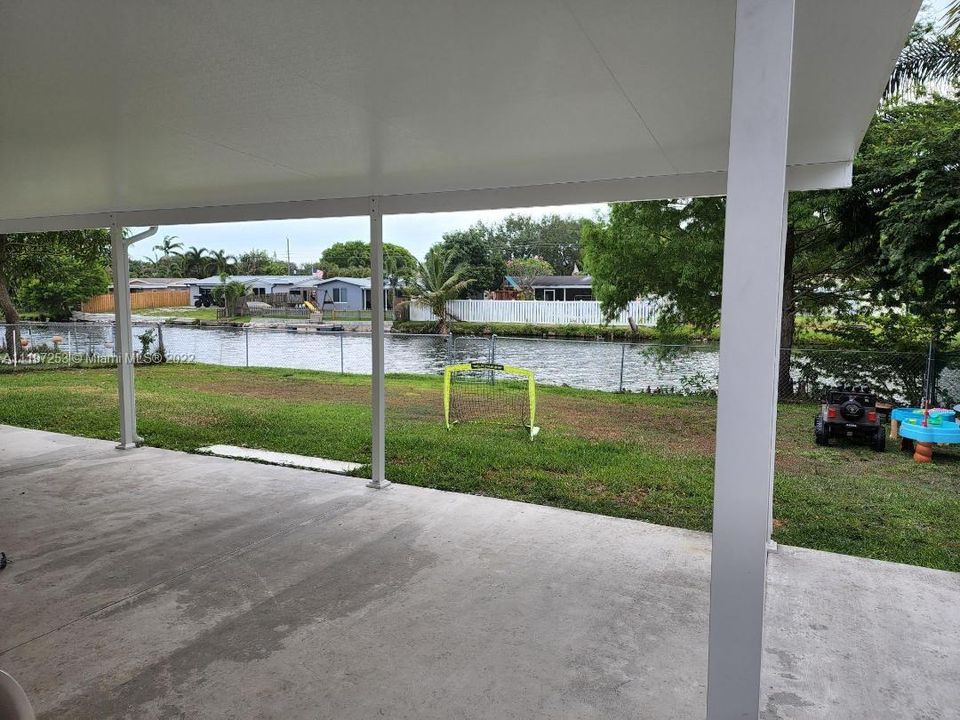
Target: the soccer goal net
(485, 392)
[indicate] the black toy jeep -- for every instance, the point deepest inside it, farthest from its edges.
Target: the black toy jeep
(206, 299)
(850, 412)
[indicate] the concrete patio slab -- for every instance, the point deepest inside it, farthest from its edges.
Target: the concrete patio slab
(155, 584)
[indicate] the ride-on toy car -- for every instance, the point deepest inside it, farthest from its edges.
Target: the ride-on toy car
(850, 412)
(206, 299)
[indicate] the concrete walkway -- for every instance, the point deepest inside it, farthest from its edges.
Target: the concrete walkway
(157, 584)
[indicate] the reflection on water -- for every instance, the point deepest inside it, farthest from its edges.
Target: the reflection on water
(583, 364)
(586, 364)
(596, 365)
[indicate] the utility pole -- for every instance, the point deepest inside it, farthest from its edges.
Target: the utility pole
(289, 270)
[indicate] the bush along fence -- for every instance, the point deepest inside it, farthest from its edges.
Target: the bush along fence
(900, 377)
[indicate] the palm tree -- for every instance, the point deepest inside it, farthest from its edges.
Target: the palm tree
(951, 18)
(221, 260)
(168, 247)
(168, 262)
(393, 272)
(438, 282)
(230, 294)
(195, 261)
(928, 59)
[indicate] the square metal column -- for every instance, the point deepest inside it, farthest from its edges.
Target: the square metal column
(377, 479)
(123, 338)
(749, 354)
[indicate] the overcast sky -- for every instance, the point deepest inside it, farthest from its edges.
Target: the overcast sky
(308, 238)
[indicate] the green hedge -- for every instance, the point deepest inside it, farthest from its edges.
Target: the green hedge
(523, 330)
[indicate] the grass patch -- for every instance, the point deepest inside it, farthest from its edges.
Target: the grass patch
(591, 332)
(194, 313)
(637, 456)
(810, 333)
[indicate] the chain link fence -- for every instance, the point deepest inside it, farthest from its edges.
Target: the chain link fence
(947, 378)
(899, 377)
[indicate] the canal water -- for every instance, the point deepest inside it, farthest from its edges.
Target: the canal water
(582, 364)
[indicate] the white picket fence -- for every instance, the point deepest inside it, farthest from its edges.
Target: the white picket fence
(539, 312)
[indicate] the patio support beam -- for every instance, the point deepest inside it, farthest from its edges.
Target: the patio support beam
(749, 353)
(378, 452)
(816, 176)
(123, 332)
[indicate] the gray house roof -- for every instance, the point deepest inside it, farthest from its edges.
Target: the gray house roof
(318, 282)
(252, 279)
(562, 281)
(555, 281)
(158, 283)
(164, 281)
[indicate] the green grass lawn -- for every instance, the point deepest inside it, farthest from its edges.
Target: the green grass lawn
(193, 313)
(196, 313)
(637, 456)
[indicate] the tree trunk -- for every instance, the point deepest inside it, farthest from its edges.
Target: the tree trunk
(10, 315)
(788, 320)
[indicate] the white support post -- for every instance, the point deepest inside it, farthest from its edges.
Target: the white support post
(123, 332)
(749, 354)
(771, 543)
(377, 478)
(123, 338)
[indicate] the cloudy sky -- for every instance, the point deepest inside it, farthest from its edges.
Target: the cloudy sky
(308, 238)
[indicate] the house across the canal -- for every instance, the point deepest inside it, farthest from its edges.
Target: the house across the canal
(551, 287)
(338, 293)
(256, 284)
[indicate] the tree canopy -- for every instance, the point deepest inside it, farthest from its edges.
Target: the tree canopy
(259, 262)
(905, 206)
(476, 254)
(893, 238)
(49, 273)
(352, 259)
(484, 249)
(525, 271)
(646, 249)
(553, 239)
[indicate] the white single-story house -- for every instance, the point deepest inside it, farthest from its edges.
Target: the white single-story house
(256, 284)
(340, 293)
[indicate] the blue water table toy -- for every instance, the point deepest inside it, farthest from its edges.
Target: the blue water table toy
(936, 426)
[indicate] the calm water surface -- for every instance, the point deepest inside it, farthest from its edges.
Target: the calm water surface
(582, 364)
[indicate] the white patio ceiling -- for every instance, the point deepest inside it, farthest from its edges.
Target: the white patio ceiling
(125, 107)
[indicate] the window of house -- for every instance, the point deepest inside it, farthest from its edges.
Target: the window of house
(549, 295)
(339, 295)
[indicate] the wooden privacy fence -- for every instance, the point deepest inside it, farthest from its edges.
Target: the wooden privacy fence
(139, 300)
(539, 312)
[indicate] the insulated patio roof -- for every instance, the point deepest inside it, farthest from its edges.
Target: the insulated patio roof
(185, 111)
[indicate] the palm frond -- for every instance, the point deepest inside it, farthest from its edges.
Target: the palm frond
(926, 60)
(951, 18)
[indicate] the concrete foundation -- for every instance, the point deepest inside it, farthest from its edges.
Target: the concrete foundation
(157, 584)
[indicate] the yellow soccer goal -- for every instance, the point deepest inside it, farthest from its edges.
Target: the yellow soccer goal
(486, 392)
